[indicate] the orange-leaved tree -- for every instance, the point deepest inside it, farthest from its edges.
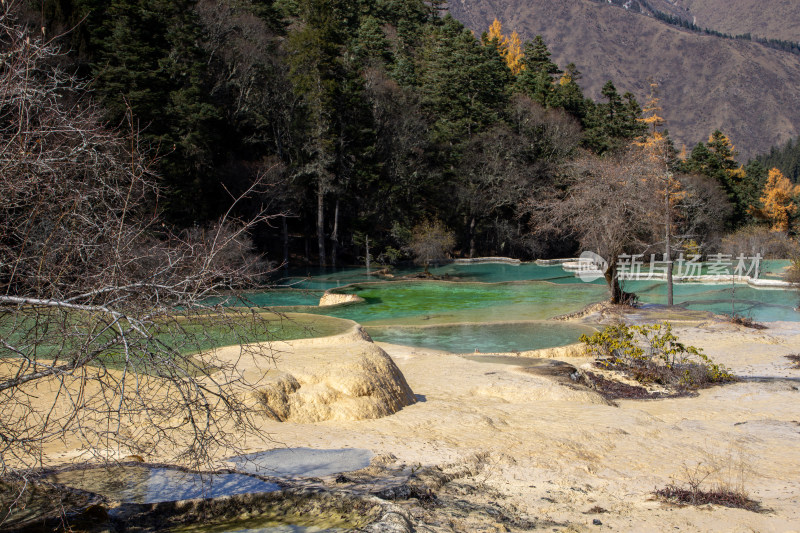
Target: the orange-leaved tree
(659, 150)
(510, 47)
(779, 198)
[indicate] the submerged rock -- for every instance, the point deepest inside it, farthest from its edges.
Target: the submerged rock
(333, 298)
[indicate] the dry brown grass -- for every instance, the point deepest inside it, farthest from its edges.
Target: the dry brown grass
(694, 496)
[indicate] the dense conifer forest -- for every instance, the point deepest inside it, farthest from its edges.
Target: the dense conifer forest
(368, 118)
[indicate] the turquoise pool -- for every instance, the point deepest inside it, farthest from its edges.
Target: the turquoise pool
(464, 313)
(483, 338)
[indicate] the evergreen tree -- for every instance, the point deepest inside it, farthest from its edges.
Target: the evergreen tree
(536, 78)
(568, 94)
(612, 124)
(335, 121)
(786, 159)
(148, 57)
(464, 85)
(371, 45)
(717, 159)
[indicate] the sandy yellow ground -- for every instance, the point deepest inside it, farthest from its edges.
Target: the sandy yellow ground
(555, 452)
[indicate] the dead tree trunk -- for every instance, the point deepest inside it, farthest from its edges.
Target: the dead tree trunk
(472, 238)
(367, 257)
(321, 222)
(285, 230)
(335, 235)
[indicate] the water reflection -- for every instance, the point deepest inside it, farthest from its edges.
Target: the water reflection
(142, 484)
(302, 462)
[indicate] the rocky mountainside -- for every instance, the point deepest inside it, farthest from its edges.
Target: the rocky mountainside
(746, 89)
(773, 19)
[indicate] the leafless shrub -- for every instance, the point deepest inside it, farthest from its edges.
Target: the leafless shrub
(745, 321)
(752, 240)
(703, 208)
(103, 308)
(555, 133)
(431, 242)
(718, 480)
(795, 359)
(793, 274)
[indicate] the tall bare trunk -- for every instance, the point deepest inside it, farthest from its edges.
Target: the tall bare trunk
(472, 238)
(321, 222)
(335, 235)
(285, 242)
(367, 255)
(668, 253)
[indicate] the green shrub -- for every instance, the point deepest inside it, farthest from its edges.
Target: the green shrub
(652, 353)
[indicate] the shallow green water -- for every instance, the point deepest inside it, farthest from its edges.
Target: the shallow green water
(485, 338)
(205, 333)
(774, 268)
(316, 279)
(763, 305)
(278, 298)
(542, 292)
(434, 302)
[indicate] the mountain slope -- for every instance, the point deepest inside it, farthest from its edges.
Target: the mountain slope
(743, 88)
(774, 19)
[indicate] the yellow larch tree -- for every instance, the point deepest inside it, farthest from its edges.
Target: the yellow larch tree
(779, 198)
(510, 48)
(514, 54)
(496, 31)
(656, 147)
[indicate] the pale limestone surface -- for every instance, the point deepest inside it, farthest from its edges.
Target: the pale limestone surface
(332, 298)
(554, 452)
(352, 379)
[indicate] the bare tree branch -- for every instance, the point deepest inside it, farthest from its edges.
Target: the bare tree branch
(107, 314)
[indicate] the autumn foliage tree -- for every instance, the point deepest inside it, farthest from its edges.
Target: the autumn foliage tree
(510, 47)
(658, 149)
(779, 199)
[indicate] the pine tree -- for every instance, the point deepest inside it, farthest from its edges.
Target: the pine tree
(612, 124)
(146, 55)
(786, 159)
(717, 159)
(536, 77)
(463, 84)
(371, 44)
(568, 94)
